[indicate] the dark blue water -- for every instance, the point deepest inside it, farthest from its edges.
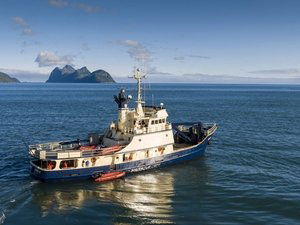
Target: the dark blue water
(249, 175)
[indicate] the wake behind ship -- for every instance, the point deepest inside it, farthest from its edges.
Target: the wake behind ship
(140, 139)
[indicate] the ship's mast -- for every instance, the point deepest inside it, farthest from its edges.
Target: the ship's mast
(139, 108)
(138, 77)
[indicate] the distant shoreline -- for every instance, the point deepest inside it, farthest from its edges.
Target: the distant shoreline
(171, 83)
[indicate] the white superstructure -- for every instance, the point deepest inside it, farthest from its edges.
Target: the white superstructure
(141, 127)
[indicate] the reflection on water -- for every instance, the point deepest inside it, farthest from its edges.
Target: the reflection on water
(149, 197)
(245, 178)
(145, 195)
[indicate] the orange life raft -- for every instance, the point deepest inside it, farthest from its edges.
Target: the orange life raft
(88, 147)
(110, 176)
(111, 150)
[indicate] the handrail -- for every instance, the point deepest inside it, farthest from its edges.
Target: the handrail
(66, 153)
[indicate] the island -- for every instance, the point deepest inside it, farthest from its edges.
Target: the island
(4, 78)
(69, 75)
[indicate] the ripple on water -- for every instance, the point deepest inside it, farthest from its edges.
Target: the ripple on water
(2, 217)
(250, 174)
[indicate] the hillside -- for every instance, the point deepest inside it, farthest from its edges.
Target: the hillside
(70, 75)
(4, 78)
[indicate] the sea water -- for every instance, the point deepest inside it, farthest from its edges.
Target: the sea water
(250, 173)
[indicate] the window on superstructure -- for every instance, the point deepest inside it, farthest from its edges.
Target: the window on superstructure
(51, 165)
(160, 121)
(44, 164)
(131, 156)
(156, 121)
(152, 122)
(161, 150)
(143, 123)
(128, 157)
(64, 164)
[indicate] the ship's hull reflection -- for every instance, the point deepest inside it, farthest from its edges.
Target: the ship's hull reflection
(146, 195)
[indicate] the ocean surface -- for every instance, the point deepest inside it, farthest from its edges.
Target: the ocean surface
(250, 173)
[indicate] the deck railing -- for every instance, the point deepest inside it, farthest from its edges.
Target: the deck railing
(64, 154)
(212, 128)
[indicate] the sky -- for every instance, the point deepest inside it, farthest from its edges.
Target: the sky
(203, 41)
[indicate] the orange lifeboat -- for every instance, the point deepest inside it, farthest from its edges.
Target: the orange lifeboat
(110, 176)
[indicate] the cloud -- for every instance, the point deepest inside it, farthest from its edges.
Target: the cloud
(137, 51)
(277, 72)
(184, 57)
(87, 8)
(76, 5)
(23, 25)
(20, 21)
(58, 3)
(165, 77)
(179, 58)
(199, 56)
(153, 71)
(233, 79)
(27, 31)
(47, 58)
(212, 77)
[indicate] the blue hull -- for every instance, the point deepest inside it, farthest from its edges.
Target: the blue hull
(129, 167)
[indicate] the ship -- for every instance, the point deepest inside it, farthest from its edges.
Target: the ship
(140, 139)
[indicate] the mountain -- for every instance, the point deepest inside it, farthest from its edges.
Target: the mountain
(4, 78)
(69, 75)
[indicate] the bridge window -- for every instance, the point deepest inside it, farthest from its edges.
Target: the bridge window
(45, 164)
(51, 165)
(64, 164)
